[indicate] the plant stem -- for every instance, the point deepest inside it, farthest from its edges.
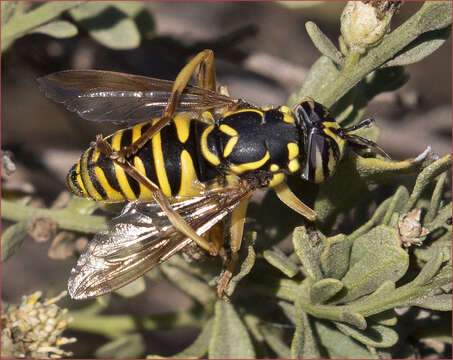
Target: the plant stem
(66, 219)
(113, 326)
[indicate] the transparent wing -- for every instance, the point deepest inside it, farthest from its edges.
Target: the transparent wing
(142, 237)
(123, 98)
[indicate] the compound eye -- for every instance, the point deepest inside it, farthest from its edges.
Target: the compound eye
(323, 156)
(311, 113)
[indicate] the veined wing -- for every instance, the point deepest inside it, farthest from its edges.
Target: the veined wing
(123, 98)
(142, 237)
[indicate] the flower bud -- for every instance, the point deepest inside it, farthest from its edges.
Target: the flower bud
(364, 23)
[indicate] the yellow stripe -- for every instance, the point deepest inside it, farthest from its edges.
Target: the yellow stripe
(241, 111)
(293, 150)
(92, 192)
(116, 140)
(288, 119)
(182, 123)
(207, 117)
(294, 165)
(79, 180)
(124, 183)
(145, 193)
(137, 131)
(239, 169)
(274, 167)
(277, 179)
(159, 164)
(111, 193)
(208, 155)
(230, 146)
(287, 114)
(340, 142)
(332, 163)
(188, 176)
(285, 110)
(226, 129)
(96, 154)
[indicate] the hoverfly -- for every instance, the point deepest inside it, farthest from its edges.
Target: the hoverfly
(191, 156)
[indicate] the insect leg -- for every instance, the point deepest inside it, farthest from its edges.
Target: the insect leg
(216, 235)
(206, 79)
(285, 194)
(236, 231)
(178, 222)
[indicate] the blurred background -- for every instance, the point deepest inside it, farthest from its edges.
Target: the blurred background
(262, 54)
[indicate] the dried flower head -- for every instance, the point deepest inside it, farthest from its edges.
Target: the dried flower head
(410, 228)
(33, 329)
(364, 23)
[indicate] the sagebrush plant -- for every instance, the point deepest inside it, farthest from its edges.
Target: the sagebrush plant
(353, 294)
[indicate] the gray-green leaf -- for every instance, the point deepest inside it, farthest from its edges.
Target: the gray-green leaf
(278, 259)
(107, 25)
(420, 48)
(335, 257)
(323, 43)
(58, 29)
(366, 275)
(324, 289)
(126, 346)
(134, 288)
(308, 253)
(230, 339)
(13, 237)
(374, 335)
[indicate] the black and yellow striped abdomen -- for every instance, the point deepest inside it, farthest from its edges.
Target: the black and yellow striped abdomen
(261, 145)
(172, 160)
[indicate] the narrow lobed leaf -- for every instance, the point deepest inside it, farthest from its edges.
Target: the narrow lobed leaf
(354, 319)
(426, 177)
(304, 344)
(190, 284)
(324, 289)
(126, 346)
(308, 253)
(430, 269)
(278, 259)
(335, 257)
(323, 43)
(200, 346)
(436, 198)
(108, 25)
(386, 318)
(275, 342)
(420, 48)
(230, 338)
(13, 237)
(370, 242)
(397, 203)
(366, 275)
(338, 344)
(246, 265)
(375, 335)
(57, 29)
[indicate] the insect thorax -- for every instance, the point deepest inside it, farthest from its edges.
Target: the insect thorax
(264, 142)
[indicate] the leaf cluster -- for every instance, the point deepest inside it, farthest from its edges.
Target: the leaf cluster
(116, 25)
